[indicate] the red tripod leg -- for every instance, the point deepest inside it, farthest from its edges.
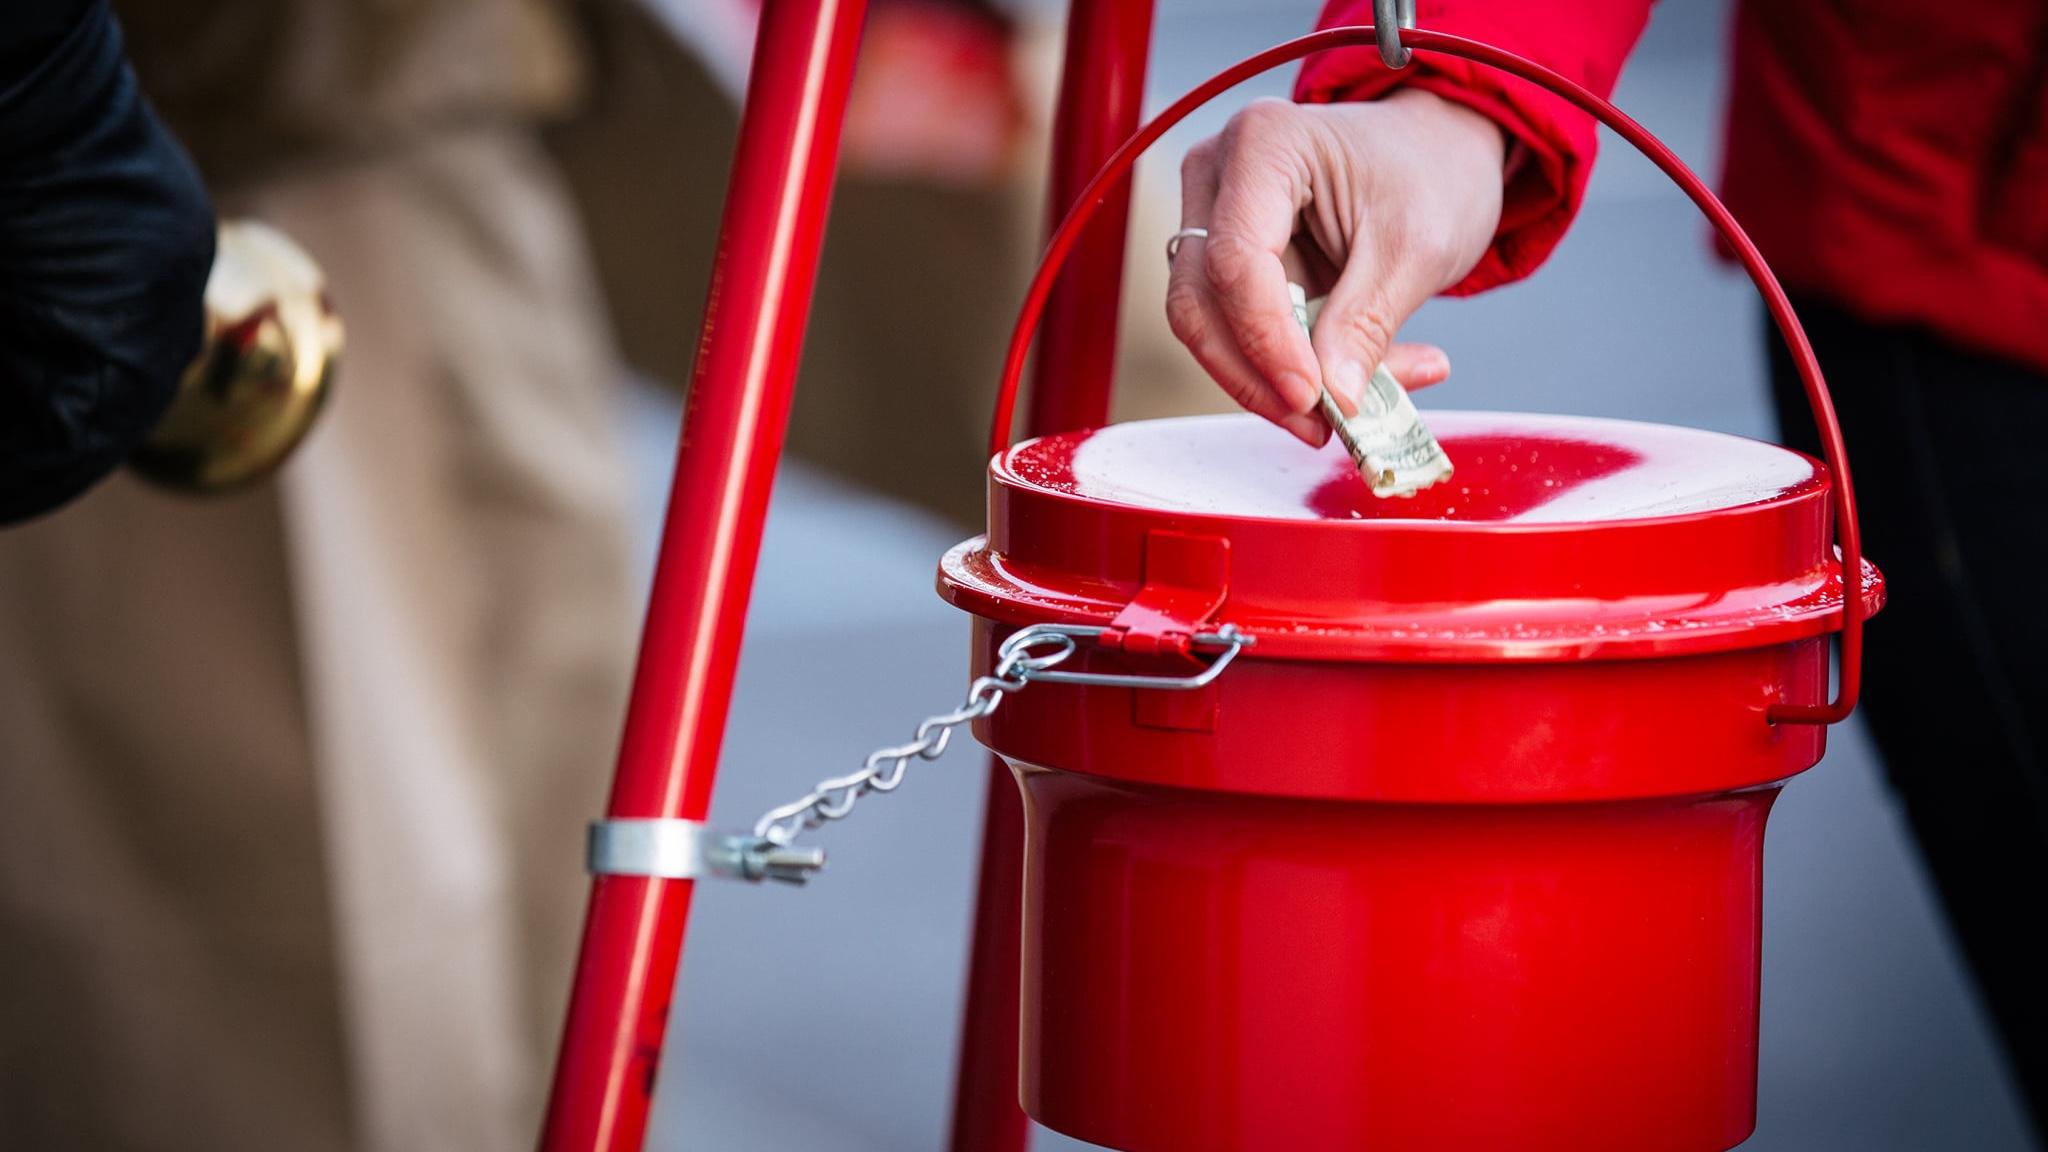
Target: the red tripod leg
(1102, 91)
(732, 435)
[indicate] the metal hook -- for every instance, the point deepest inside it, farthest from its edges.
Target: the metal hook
(1227, 637)
(1389, 17)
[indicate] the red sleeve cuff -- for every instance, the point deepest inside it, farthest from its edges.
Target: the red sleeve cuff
(1547, 184)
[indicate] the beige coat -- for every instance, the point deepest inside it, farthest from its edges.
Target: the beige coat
(291, 784)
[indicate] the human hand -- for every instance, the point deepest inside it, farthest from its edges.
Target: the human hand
(1381, 205)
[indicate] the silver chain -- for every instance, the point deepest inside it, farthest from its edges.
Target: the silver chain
(884, 769)
(1028, 654)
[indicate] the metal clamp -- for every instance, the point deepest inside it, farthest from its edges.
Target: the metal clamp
(1227, 641)
(689, 850)
(1389, 17)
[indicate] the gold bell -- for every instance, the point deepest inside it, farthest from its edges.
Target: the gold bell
(272, 342)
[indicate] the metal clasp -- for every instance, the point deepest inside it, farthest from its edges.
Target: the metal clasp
(1389, 17)
(1227, 641)
(689, 850)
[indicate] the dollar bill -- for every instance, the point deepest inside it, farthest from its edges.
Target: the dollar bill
(1394, 450)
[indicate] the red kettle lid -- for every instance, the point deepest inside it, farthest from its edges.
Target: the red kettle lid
(1557, 538)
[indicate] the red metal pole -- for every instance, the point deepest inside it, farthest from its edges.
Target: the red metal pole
(1102, 94)
(1102, 91)
(733, 427)
(986, 1114)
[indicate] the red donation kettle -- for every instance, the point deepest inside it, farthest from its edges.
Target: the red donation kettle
(1463, 850)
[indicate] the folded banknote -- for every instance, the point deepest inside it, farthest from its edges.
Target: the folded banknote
(1394, 450)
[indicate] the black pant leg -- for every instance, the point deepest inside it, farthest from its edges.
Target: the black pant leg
(1949, 451)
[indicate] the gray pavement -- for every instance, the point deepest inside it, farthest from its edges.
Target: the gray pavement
(826, 1019)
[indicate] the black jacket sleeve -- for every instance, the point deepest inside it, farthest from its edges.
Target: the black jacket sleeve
(106, 236)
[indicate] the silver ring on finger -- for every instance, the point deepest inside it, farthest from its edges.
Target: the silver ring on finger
(1173, 243)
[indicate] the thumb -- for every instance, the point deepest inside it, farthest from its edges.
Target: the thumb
(1355, 333)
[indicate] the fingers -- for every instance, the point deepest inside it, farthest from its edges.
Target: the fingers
(1355, 332)
(1198, 323)
(1198, 186)
(1197, 319)
(1227, 296)
(1414, 365)
(1418, 365)
(1262, 184)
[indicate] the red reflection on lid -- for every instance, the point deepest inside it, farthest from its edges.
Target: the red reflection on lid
(1509, 476)
(1511, 468)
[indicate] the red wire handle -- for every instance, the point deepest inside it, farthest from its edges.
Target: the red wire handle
(1118, 166)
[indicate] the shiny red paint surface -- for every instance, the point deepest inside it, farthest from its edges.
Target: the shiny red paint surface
(732, 435)
(1558, 538)
(1509, 733)
(1464, 853)
(1102, 88)
(1211, 973)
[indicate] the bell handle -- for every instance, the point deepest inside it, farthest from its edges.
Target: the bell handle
(1849, 538)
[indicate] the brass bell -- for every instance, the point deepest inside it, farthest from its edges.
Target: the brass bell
(272, 342)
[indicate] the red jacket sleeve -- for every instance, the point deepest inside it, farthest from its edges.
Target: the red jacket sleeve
(1586, 41)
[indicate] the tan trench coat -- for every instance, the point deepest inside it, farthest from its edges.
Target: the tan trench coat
(292, 783)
